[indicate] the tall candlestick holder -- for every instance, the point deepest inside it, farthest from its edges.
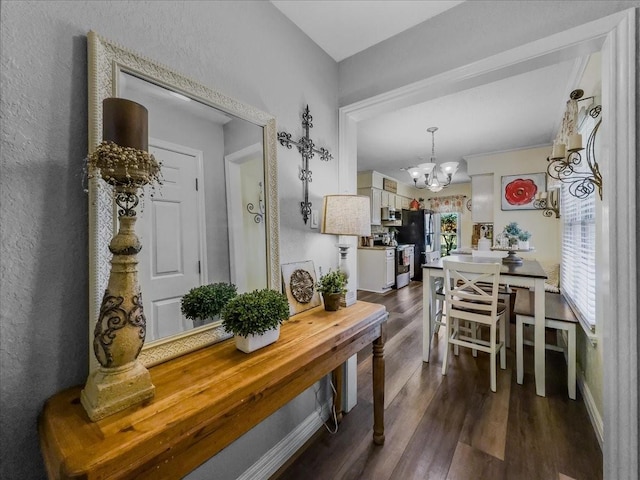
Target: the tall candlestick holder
(565, 165)
(122, 161)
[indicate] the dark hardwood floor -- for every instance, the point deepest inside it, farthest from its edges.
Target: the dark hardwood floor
(453, 427)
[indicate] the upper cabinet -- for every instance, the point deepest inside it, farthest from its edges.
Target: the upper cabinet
(482, 198)
(372, 183)
(375, 195)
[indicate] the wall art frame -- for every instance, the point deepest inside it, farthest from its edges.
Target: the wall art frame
(518, 192)
(300, 285)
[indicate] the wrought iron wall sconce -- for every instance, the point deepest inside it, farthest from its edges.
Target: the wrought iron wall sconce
(307, 149)
(258, 216)
(548, 202)
(565, 167)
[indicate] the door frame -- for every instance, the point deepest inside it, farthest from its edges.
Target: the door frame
(235, 212)
(615, 35)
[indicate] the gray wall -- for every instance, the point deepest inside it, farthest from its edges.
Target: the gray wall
(247, 50)
(462, 35)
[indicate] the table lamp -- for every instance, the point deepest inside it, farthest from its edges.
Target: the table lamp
(348, 215)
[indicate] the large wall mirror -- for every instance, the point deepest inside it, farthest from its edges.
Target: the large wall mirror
(214, 218)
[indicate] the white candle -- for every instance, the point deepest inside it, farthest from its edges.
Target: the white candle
(559, 151)
(575, 142)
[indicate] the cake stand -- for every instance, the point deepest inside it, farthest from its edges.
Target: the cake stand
(512, 258)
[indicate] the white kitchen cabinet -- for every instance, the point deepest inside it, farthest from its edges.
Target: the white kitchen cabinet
(375, 196)
(390, 270)
(385, 198)
(376, 269)
(482, 198)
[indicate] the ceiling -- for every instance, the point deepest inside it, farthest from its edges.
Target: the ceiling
(517, 112)
(345, 27)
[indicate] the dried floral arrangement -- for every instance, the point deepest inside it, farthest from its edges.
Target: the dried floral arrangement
(124, 166)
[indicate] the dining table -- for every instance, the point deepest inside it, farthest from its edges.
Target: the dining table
(528, 274)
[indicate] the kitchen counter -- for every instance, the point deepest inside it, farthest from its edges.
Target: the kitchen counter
(376, 247)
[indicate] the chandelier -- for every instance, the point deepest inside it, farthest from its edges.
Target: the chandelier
(431, 179)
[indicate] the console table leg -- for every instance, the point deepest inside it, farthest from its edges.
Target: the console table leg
(338, 378)
(378, 391)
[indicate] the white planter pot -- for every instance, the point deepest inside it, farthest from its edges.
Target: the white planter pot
(523, 244)
(254, 342)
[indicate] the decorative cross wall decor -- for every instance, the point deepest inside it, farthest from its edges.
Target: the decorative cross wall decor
(307, 149)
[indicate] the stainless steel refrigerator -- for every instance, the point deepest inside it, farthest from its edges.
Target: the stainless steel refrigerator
(421, 228)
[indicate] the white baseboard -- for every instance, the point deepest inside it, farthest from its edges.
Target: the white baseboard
(594, 414)
(271, 461)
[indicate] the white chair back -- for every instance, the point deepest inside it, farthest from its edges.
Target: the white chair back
(466, 287)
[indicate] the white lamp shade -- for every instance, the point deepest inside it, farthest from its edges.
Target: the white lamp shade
(415, 172)
(449, 168)
(427, 167)
(346, 215)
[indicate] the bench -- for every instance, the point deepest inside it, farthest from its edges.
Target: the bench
(558, 315)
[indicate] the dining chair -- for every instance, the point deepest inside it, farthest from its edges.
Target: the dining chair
(505, 293)
(471, 295)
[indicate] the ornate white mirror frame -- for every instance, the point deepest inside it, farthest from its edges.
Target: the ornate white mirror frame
(106, 60)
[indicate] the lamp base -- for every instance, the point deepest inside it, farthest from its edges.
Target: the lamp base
(348, 299)
(109, 390)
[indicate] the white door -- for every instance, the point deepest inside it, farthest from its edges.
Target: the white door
(171, 229)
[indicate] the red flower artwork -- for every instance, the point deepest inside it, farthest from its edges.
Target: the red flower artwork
(520, 191)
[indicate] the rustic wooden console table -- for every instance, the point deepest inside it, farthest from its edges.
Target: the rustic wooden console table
(208, 398)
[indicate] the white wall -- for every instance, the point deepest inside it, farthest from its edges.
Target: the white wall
(247, 50)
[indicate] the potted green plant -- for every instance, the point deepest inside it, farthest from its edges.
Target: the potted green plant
(523, 240)
(332, 286)
(206, 301)
(255, 317)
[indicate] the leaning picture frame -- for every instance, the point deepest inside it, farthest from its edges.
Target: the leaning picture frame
(300, 285)
(518, 192)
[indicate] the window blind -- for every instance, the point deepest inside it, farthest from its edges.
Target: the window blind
(578, 265)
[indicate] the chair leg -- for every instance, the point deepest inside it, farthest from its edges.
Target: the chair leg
(447, 331)
(571, 368)
(503, 345)
(507, 314)
(519, 350)
(493, 357)
(438, 317)
(456, 328)
(474, 334)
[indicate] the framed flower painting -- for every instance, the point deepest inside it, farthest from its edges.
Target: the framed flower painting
(519, 191)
